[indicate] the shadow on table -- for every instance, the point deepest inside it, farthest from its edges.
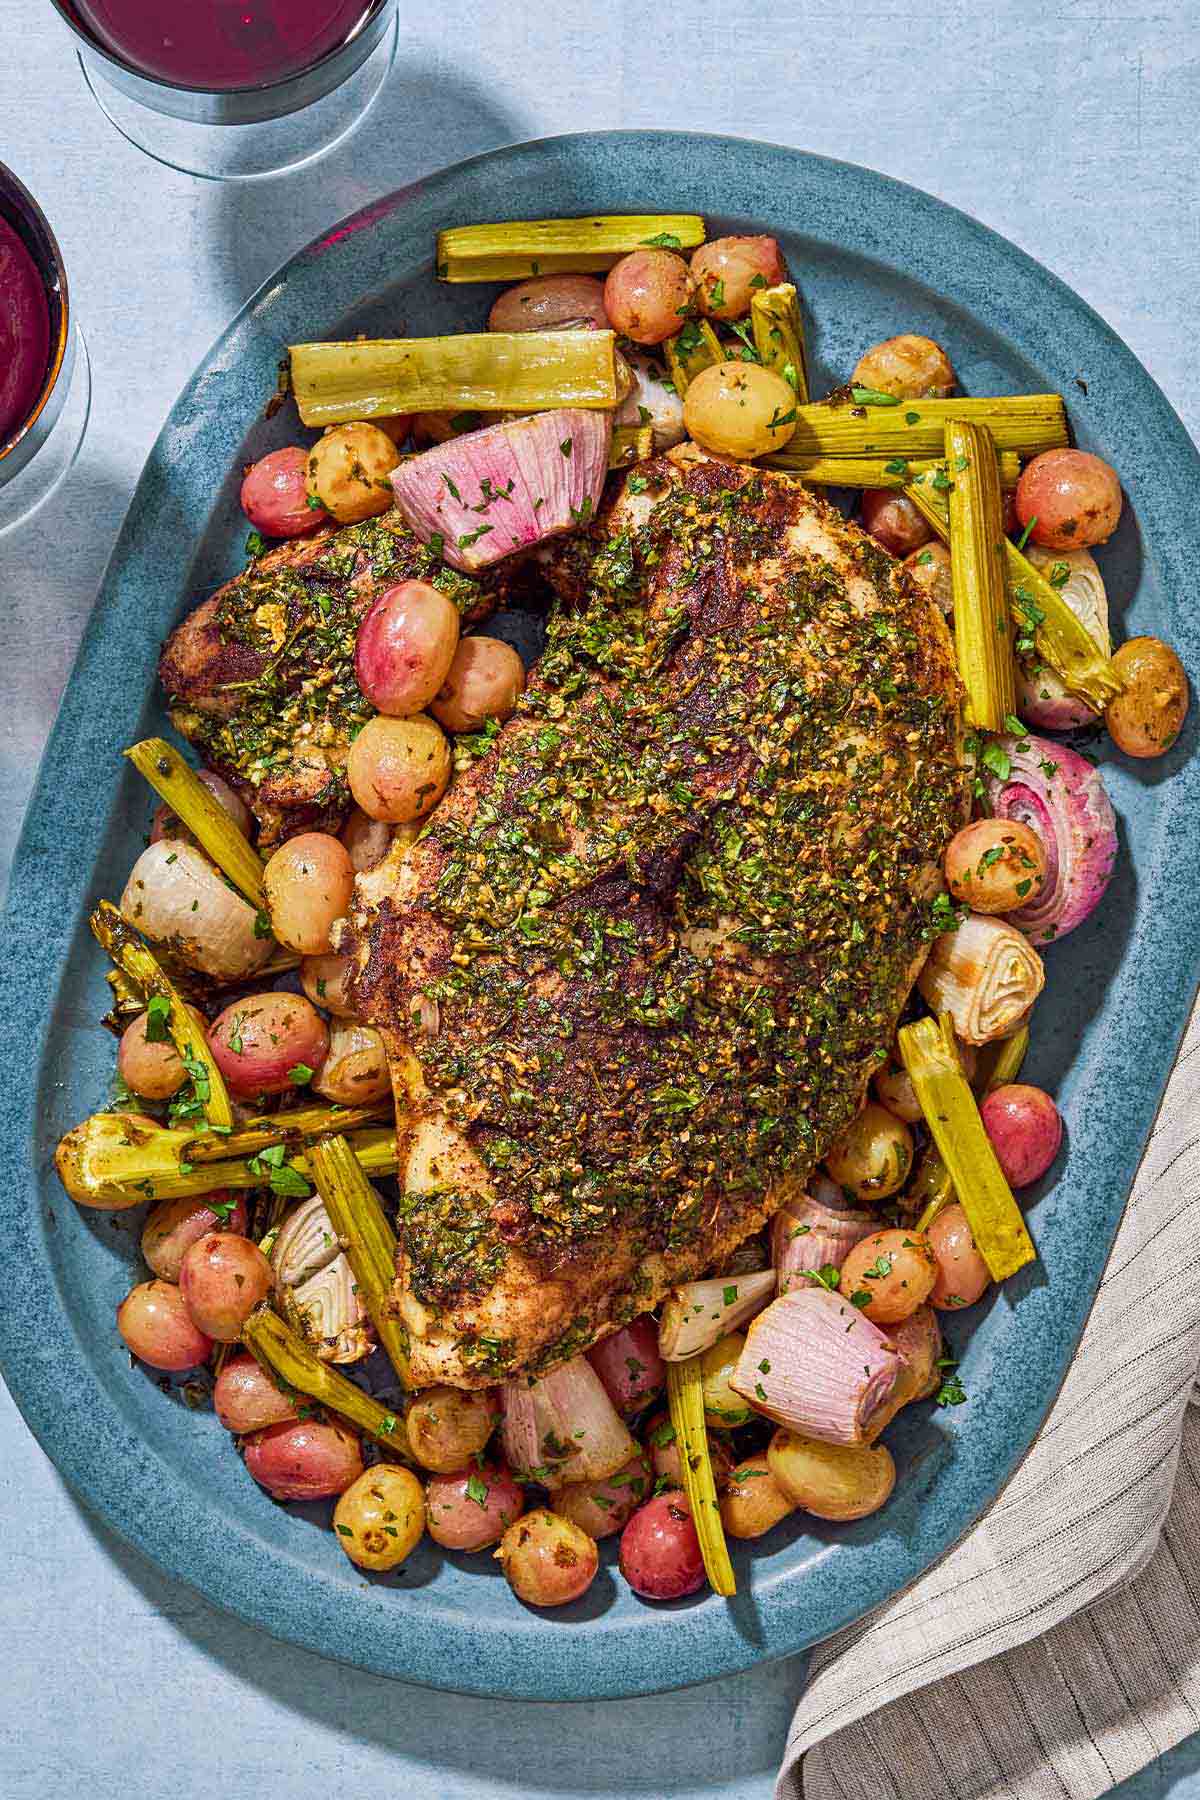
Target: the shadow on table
(424, 118)
(725, 1732)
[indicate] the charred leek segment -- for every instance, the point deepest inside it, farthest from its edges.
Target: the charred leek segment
(365, 1235)
(524, 247)
(875, 471)
(111, 1161)
(779, 335)
(690, 352)
(488, 371)
(138, 964)
(953, 1119)
(630, 444)
(1000, 1063)
(696, 1314)
(982, 632)
(291, 1128)
(685, 1395)
(207, 821)
(1041, 616)
(284, 1353)
(1026, 423)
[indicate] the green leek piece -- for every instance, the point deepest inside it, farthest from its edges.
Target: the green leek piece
(1026, 423)
(630, 444)
(283, 1352)
(524, 247)
(111, 1161)
(367, 1238)
(204, 817)
(487, 371)
(1037, 609)
(300, 1126)
(953, 1119)
(139, 964)
(873, 471)
(693, 349)
(1000, 1062)
(982, 629)
(779, 335)
(685, 1395)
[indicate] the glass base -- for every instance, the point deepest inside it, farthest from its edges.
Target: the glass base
(248, 152)
(45, 473)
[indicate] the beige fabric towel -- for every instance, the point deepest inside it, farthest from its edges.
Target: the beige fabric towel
(1056, 1650)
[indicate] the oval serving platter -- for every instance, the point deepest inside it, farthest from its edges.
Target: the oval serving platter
(871, 257)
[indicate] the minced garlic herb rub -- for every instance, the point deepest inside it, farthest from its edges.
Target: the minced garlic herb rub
(666, 922)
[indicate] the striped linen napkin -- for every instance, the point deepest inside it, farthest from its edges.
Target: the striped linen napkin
(1056, 1650)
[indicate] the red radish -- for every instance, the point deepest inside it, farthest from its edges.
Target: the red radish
(275, 496)
(1025, 1127)
(245, 1398)
(660, 1554)
(405, 647)
(310, 1459)
(472, 1507)
(629, 1365)
(158, 1329)
(173, 1226)
(222, 1278)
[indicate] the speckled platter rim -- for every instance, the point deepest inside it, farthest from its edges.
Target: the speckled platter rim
(491, 1646)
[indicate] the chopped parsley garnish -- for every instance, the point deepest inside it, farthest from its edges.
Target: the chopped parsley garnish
(158, 1012)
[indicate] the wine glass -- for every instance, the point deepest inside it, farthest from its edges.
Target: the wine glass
(233, 90)
(45, 376)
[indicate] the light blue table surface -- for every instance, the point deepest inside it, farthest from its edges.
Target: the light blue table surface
(1070, 126)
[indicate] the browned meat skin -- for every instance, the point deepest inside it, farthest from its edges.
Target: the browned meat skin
(261, 676)
(635, 976)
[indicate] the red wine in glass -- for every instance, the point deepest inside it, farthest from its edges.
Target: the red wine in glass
(223, 45)
(24, 332)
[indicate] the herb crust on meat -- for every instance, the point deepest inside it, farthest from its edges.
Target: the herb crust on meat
(636, 973)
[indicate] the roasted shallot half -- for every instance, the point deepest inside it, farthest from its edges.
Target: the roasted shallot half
(813, 1363)
(563, 1428)
(985, 974)
(488, 493)
(809, 1235)
(698, 1313)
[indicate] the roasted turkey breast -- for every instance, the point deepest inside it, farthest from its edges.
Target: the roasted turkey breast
(635, 975)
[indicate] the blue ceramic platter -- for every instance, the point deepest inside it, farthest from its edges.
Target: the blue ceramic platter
(871, 258)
